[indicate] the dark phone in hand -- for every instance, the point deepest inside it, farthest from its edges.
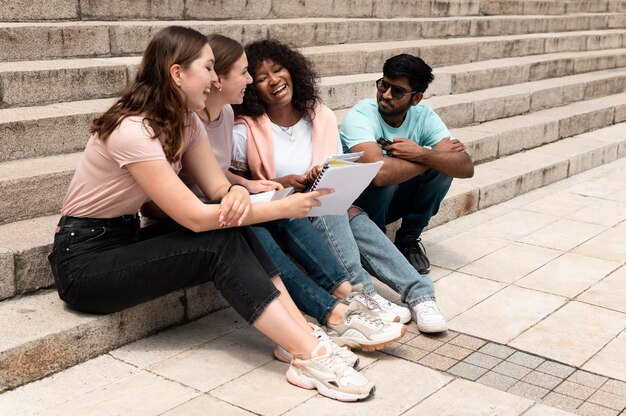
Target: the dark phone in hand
(384, 142)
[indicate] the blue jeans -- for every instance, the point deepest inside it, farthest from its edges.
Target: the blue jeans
(303, 243)
(362, 248)
(416, 201)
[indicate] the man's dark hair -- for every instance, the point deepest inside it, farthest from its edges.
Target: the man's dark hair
(414, 69)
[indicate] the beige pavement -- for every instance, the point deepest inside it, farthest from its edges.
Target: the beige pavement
(535, 290)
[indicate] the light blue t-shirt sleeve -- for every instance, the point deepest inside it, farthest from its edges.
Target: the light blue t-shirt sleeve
(433, 129)
(358, 126)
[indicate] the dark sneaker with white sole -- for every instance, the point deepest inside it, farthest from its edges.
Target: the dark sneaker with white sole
(413, 249)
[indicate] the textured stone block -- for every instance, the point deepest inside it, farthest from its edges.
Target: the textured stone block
(482, 360)
(528, 390)
(468, 371)
(202, 300)
(526, 360)
(408, 353)
(582, 123)
(468, 342)
(555, 369)
(395, 8)
(612, 401)
(453, 351)
(497, 7)
(511, 48)
(501, 107)
(437, 361)
(512, 370)
(123, 9)
(542, 380)
(7, 274)
(455, 7)
(496, 350)
(574, 390)
(230, 9)
(497, 381)
(590, 409)
(21, 10)
(561, 401)
(425, 343)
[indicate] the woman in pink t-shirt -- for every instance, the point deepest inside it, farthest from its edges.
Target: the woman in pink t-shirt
(102, 262)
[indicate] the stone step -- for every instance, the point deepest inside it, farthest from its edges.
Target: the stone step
(34, 41)
(513, 7)
(24, 10)
(40, 336)
(28, 83)
(24, 244)
(59, 128)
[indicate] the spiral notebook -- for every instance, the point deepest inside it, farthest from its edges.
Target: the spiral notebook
(348, 179)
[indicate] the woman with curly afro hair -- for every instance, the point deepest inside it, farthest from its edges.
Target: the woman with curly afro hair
(283, 132)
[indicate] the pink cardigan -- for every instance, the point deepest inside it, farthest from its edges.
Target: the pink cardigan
(261, 143)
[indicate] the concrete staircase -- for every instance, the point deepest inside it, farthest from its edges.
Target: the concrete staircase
(535, 89)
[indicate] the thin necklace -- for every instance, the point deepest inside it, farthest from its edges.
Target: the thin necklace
(287, 130)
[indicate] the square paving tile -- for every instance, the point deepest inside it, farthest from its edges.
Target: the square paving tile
(143, 394)
(244, 392)
(463, 249)
(568, 275)
(609, 245)
(590, 409)
(615, 387)
(543, 410)
(610, 360)
(500, 351)
(560, 204)
(200, 405)
(598, 187)
(408, 353)
(497, 381)
(603, 212)
(483, 360)
(425, 343)
(546, 381)
(529, 391)
(453, 351)
(526, 360)
(219, 361)
(510, 263)
(458, 292)
(561, 401)
(610, 292)
(505, 315)
(515, 225)
(437, 361)
(468, 342)
(556, 369)
(563, 234)
(468, 371)
(400, 385)
(587, 379)
(574, 390)
(572, 334)
(511, 370)
(612, 401)
(466, 397)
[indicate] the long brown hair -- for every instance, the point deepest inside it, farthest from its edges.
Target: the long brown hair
(153, 95)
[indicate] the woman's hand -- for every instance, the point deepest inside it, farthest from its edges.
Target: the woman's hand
(298, 182)
(311, 175)
(262, 185)
(234, 207)
(299, 205)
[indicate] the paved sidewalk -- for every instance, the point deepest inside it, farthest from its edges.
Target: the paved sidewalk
(535, 290)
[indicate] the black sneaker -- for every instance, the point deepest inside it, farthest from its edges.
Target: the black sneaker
(413, 249)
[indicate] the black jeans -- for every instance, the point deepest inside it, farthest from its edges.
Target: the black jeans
(106, 265)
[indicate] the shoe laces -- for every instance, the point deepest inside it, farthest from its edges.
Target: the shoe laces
(334, 362)
(382, 302)
(414, 244)
(365, 316)
(428, 307)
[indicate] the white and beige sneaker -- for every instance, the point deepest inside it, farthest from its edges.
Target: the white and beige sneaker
(348, 356)
(330, 375)
(361, 329)
(428, 317)
(387, 311)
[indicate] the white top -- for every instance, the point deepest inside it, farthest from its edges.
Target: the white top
(290, 157)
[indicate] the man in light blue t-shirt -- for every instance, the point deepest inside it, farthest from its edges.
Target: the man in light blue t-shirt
(420, 156)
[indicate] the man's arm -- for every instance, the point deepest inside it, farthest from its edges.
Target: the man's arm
(393, 171)
(448, 156)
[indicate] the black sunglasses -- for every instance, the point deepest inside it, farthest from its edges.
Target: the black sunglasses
(396, 92)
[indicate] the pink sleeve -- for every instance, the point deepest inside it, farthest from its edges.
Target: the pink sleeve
(132, 142)
(194, 132)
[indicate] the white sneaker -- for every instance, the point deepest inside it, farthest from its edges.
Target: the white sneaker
(348, 356)
(428, 317)
(330, 375)
(387, 311)
(359, 328)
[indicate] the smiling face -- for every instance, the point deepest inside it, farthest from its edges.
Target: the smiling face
(196, 79)
(273, 83)
(234, 83)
